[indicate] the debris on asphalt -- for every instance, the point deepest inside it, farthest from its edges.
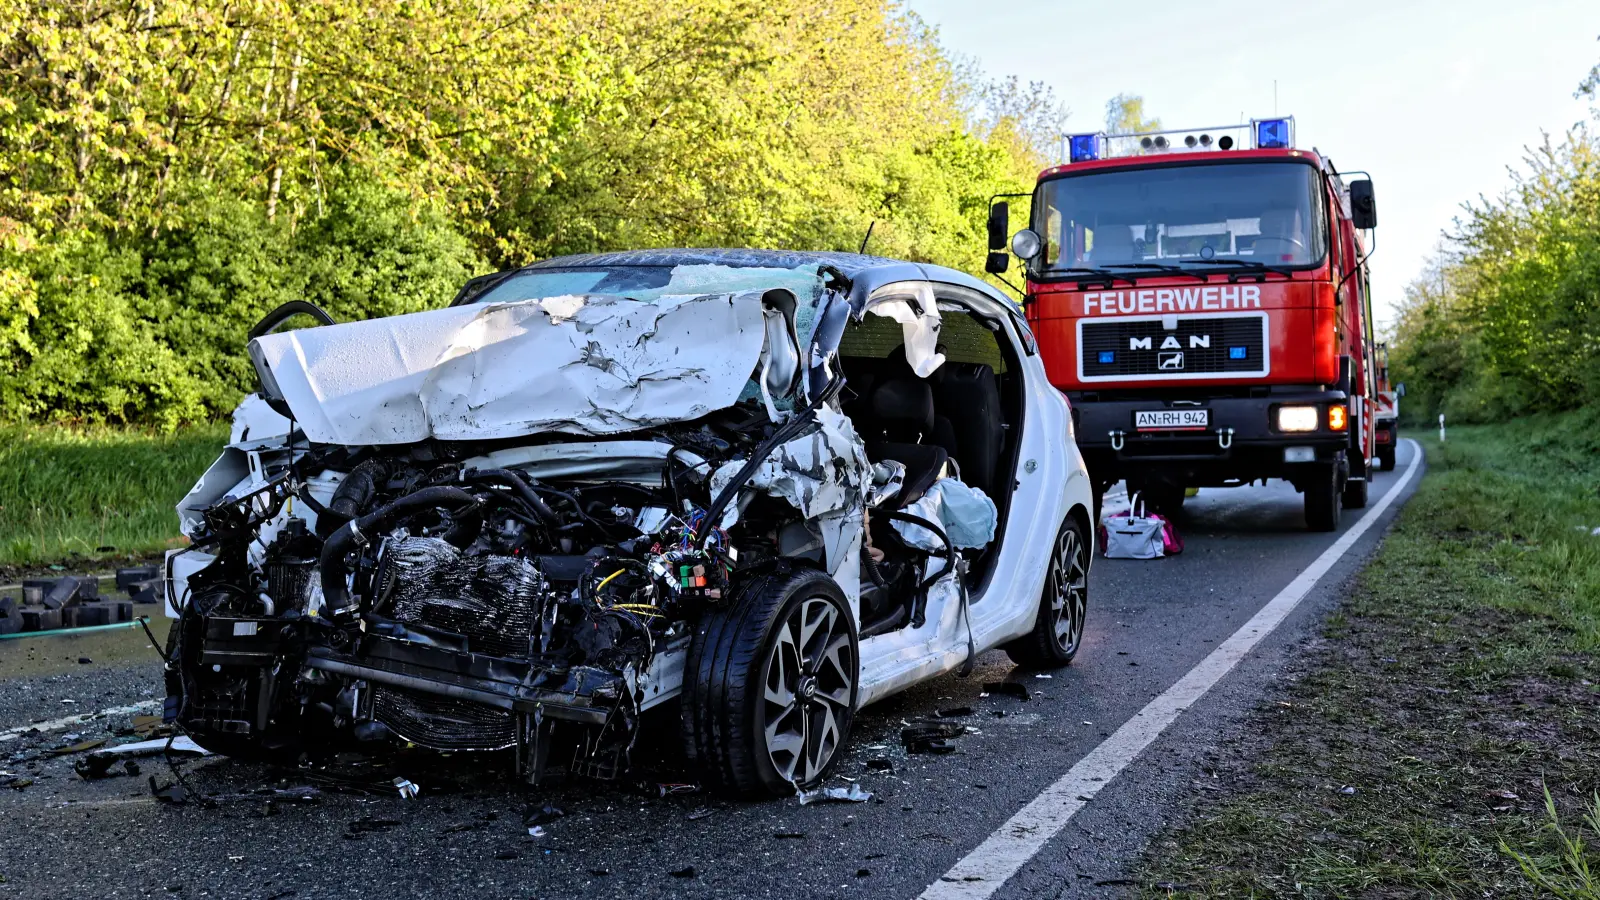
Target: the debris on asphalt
(666, 788)
(174, 794)
(84, 661)
(852, 794)
(367, 824)
(1347, 790)
(863, 873)
(955, 712)
(700, 813)
(1044, 675)
(541, 815)
(408, 789)
(14, 781)
(506, 854)
(685, 872)
(537, 831)
(1008, 689)
(930, 736)
(880, 765)
(789, 835)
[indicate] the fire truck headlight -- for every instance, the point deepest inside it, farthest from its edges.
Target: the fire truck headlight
(1297, 418)
(1026, 244)
(1338, 418)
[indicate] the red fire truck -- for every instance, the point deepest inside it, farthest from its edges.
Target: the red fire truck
(1201, 296)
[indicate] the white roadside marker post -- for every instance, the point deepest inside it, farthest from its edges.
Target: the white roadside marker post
(1441, 428)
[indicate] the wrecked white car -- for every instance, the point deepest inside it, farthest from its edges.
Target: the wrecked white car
(767, 487)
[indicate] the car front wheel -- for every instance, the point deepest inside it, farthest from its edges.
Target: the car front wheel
(771, 684)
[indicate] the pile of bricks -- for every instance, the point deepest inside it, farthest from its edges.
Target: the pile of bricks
(74, 601)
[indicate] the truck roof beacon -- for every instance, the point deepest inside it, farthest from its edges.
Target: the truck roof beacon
(761, 488)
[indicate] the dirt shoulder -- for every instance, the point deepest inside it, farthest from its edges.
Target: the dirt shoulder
(1411, 755)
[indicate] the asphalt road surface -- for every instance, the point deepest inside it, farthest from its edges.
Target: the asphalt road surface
(1151, 624)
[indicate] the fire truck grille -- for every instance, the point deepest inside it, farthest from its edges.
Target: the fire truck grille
(1199, 345)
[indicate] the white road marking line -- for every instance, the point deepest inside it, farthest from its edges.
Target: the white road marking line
(983, 871)
(143, 706)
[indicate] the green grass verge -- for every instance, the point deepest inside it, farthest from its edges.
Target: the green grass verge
(71, 495)
(1453, 689)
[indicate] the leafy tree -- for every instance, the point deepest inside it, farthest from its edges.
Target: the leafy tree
(1125, 115)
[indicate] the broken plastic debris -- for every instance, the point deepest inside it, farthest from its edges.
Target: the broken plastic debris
(541, 815)
(1044, 675)
(537, 831)
(955, 712)
(407, 789)
(1347, 790)
(852, 794)
(685, 872)
(929, 736)
(677, 788)
(1007, 688)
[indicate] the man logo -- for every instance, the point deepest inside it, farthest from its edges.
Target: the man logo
(1169, 361)
(1138, 343)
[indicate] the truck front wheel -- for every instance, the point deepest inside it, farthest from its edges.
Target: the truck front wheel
(1321, 486)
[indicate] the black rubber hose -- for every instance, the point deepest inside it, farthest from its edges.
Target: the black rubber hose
(353, 495)
(519, 483)
(336, 598)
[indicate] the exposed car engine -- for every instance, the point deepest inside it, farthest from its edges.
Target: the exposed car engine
(432, 597)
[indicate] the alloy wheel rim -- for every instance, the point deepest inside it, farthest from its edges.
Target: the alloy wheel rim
(808, 688)
(1068, 591)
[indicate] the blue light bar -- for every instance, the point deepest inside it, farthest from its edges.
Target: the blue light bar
(1273, 134)
(1084, 147)
(1238, 352)
(1107, 357)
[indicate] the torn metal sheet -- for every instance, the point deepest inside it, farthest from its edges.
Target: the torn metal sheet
(593, 365)
(818, 473)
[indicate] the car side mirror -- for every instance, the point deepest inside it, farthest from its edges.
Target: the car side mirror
(1363, 207)
(999, 226)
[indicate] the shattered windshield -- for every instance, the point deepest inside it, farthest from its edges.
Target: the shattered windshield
(1268, 213)
(646, 283)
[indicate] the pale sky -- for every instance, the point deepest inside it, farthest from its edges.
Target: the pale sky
(1434, 99)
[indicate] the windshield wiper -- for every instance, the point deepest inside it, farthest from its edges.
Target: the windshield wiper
(1101, 273)
(1241, 263)
(1158, 267)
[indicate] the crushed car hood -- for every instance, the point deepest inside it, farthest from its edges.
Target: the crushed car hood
(584, 365)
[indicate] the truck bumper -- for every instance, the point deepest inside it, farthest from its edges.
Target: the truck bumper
(1239, 444)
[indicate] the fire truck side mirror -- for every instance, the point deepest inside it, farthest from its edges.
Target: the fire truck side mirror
(1400, 389)
(999, 226)
(997, 263)
(1363, 208)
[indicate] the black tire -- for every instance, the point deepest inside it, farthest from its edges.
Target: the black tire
(1057, 631)
(1355, 494)
(728, 696)
(1386, 456)
(1322, 497)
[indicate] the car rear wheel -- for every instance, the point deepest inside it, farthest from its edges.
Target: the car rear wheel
(1058, 631)
(771, 683)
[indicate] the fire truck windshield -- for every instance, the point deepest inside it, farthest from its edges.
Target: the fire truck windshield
(1266, 213)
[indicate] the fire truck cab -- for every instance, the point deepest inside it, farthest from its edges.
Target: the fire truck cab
(1386, 409)
(1205, 309)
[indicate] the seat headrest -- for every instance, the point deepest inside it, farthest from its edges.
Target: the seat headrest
(904, 400)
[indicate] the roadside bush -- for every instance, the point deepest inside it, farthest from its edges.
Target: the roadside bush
(141, 328)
